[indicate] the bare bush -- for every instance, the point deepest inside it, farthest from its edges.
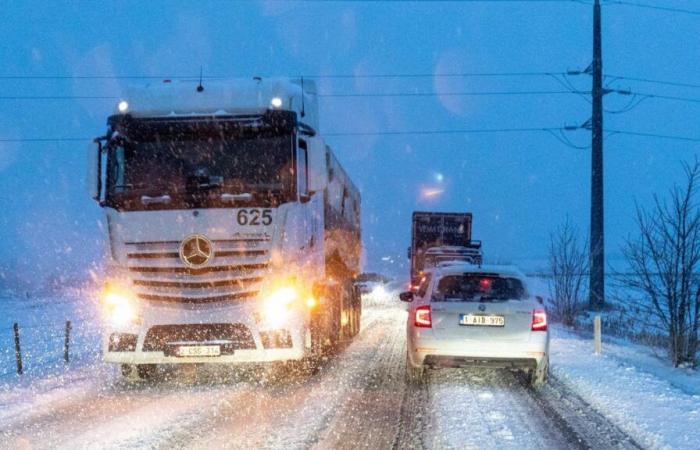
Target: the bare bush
(568, 263)
(664, 260)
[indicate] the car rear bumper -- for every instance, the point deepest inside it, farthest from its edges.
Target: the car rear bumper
(442, 361)
(432, 352)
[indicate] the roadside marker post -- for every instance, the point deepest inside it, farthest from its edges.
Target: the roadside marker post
(66, 342)
(597, 338)
(18, 351)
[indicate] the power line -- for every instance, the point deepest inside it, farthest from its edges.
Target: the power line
(437, 132)
(447, 94)
(654, 135)
(328, 95)
(415, 132)
(650, 6)
(58, 97)
(649, 80)
(325, 76)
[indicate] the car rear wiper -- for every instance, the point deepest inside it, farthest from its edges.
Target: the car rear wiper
(484, 298)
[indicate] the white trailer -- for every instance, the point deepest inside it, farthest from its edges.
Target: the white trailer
(234, 233)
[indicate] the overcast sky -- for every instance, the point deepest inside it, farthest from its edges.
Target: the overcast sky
(518, 185)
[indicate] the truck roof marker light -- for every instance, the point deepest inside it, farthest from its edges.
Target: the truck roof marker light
(123, 106)
(276, 102)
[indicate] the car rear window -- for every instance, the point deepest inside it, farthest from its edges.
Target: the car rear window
(470, 287)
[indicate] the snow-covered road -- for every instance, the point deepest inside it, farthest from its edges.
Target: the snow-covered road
(357, 400)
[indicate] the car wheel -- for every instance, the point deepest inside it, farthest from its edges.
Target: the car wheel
(538, 377)
(414, 375)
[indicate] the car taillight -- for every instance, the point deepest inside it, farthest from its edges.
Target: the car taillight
(423, 318)
(539, 320)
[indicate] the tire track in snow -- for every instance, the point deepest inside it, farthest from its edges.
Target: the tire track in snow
(587, 428)
(370, 415)
(292, 413)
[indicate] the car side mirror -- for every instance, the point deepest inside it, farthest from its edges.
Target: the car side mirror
(539, 299)
(406, 296)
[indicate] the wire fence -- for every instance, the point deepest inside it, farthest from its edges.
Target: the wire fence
(43, 347)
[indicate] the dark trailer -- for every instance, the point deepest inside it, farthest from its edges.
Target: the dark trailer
(444, 234)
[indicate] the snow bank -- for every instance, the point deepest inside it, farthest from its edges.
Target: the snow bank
(657, 405)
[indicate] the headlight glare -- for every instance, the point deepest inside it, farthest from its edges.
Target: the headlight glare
(119, 307)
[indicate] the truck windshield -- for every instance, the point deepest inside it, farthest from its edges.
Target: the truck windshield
(199, 166)
(471, 287)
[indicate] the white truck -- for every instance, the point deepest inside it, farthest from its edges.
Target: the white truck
(234, 233)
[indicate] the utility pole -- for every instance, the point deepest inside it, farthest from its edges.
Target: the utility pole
(597, 248)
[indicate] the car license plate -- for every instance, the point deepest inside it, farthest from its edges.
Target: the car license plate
(198, 350)
(482, 320)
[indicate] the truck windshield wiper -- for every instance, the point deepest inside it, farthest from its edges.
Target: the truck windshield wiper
(152, 200)
(243, 196)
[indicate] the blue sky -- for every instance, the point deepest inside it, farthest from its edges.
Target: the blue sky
(518, 185)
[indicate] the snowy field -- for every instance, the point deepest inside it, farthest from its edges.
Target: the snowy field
(626, 398)
(42, 324)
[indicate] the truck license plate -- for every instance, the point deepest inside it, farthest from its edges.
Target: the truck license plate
(482, 320)
(198, 350)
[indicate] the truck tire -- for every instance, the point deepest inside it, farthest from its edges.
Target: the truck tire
(146, 371)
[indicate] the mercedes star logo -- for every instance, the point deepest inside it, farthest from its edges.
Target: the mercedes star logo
(482, 308)
(196, 250)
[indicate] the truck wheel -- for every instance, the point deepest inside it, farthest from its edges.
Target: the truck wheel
(146, 371)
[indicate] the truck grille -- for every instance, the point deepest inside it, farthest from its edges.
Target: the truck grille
(234, 272)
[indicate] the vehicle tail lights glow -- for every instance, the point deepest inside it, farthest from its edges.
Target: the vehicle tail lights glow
(539, 320)
(423, 318)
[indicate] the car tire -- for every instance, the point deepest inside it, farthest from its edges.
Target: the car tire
(539, 376)
(414, 375)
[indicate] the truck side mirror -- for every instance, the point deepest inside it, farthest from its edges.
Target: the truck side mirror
(94, 170)
(406, 296)
(408, 253)
(317, 164)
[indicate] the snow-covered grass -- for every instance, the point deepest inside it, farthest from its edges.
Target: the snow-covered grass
(42, 323)
(638, 390)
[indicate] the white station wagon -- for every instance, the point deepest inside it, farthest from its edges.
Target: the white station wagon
(468, 316)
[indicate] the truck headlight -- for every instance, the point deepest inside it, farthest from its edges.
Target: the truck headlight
(119, 306)
(276, 306)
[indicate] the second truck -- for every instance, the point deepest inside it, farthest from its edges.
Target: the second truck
(233, 231)
(438, 237)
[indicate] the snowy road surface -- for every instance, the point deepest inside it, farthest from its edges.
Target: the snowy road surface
(357, 400)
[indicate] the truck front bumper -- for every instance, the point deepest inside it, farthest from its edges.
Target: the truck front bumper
(237, 333)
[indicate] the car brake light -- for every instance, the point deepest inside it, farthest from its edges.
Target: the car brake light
(539, 320)
(423, 317)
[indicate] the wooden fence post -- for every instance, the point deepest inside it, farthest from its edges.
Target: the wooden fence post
(597, 335)
(18, 351)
